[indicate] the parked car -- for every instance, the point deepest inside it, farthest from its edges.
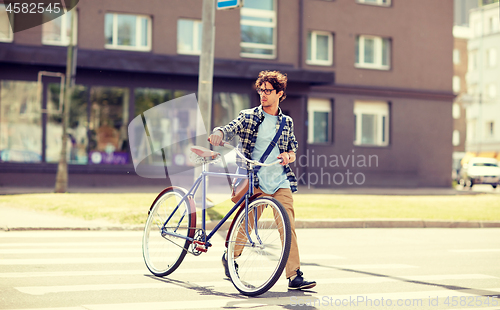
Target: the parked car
(480, 170)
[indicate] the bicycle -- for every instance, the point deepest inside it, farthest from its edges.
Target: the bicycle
(258, 240)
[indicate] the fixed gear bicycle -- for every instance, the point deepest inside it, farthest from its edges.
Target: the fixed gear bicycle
(258, 240)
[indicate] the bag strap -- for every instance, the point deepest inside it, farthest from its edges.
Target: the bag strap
(272, 144)
(262, 158)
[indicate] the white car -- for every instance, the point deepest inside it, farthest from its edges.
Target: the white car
(480, 170)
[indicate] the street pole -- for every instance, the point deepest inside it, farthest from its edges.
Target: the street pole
(206, 69)
(62, 167)
(205, 79)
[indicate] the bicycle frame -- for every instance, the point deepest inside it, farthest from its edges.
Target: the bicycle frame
(201, 180)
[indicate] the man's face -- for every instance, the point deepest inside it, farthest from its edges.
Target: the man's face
(268, 100)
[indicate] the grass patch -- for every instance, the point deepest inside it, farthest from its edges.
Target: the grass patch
(133, 208)
(484, 207)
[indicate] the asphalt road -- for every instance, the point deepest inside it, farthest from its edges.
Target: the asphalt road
(354, 268)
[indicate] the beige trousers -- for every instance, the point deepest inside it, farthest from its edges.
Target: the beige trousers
(284, 196)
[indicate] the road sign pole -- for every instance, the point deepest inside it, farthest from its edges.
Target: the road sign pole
(206, 71)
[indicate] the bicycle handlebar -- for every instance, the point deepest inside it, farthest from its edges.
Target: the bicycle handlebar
(252, 161)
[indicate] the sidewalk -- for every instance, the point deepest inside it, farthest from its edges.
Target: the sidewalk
(12, 219)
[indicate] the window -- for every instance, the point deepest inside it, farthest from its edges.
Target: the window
(491, 55)
(78, 126)
(472, 89)
(170, 131)
(227, 106)
(108, 121)
(456, 138)
(128, 32)
(319, 48)
(456, 56)
(371, 121)
(20, 122)
(490, 129)
(376, 2)
(258, 29)
(456, 84)
(471, 133)
(472, 60)
(456, 111)
(319, 117)
(491, 91)
(372, 52)
(57, 31)
(189, 36)
(491, 25)
(478, 31)
(6, 34)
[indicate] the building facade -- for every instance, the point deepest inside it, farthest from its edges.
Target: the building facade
(369, 89)
(483, 110)
(461, 35)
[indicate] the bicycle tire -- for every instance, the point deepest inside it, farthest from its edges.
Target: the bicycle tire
(254, 269)
(164, 254)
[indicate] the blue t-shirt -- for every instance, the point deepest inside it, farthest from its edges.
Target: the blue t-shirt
(273, 177)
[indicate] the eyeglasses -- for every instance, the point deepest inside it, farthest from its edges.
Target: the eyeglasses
(265, 91)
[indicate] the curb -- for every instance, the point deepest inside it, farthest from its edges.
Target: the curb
(394, 224)
(299, 224)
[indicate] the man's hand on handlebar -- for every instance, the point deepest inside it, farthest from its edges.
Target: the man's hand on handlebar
(285, 158)
(216, 138)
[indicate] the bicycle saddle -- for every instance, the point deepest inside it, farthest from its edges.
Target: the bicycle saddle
(204, 152)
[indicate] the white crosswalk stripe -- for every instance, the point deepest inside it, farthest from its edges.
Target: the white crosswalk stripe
(40, 290)
(90, 269)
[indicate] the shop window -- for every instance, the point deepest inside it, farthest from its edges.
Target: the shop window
(258, 29)
(6, 34)
(227, 106)
(109, 118)
(128, 32)
(174, 126)
(77, 142)
(58, 31)
(371, 119)
(20, 122)
(319, 118)
(320, 48)
(189, 36)
(373, 52)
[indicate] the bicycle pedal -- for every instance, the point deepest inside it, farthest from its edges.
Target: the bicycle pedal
(201, 246)
(202, 249)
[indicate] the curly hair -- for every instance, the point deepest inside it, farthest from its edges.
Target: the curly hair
(277, 79)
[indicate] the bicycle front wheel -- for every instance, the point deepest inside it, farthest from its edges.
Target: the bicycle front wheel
(256, 264)
(163, 252)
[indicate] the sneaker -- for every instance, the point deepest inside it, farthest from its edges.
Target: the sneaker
(226, 265)
(298, 283)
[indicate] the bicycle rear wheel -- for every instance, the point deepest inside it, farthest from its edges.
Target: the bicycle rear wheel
(169, 213)
(255, 266)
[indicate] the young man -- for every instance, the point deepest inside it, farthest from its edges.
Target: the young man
(256, 128)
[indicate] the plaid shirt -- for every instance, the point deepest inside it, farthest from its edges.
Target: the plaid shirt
(246, 126)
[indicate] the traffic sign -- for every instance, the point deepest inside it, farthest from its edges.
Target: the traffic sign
(228, 4)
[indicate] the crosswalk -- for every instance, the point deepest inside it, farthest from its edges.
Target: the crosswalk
(96, 270)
